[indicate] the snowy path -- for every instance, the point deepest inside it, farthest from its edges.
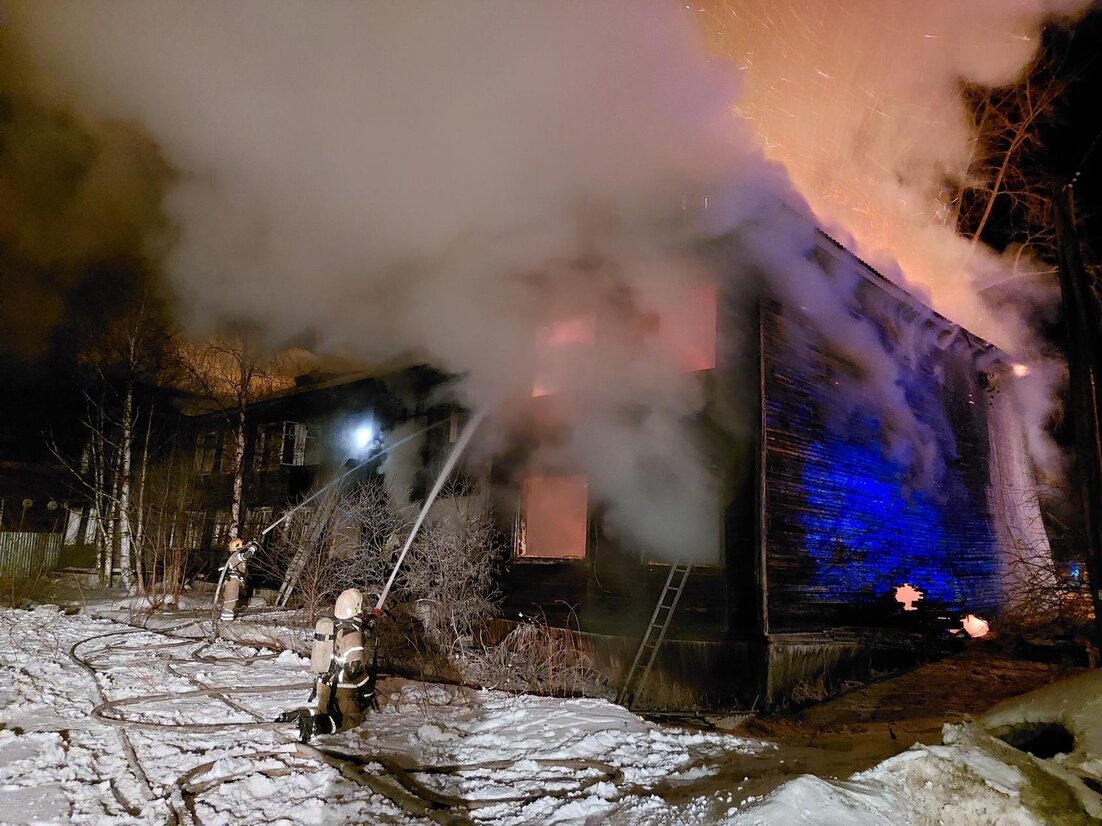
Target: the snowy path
(59, 764)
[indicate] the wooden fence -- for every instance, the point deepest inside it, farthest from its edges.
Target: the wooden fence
(28, 554)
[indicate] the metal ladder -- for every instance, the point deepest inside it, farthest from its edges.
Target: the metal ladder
(656, 632)
(290, 579)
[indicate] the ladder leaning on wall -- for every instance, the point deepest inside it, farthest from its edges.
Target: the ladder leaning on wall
(655, 634)
(290, 579)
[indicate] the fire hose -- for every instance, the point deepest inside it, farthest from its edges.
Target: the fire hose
(397, 783)
(333, 482)
(425, 801)
(442, 477)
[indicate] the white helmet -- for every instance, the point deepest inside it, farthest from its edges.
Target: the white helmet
(349, 604)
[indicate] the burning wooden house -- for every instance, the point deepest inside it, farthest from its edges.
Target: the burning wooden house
(818, 522)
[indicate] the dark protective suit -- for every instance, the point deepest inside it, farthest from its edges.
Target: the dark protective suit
(345, 682)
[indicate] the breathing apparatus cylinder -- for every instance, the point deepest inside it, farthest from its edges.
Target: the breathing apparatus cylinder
(322, 655)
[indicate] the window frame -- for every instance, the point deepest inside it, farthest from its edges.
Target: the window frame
(520, 532)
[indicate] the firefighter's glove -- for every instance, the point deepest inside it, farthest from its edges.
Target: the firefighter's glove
(365, 696)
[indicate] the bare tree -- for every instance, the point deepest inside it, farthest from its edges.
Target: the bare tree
(94, 475)
(139, 504)
(1008, 163)
(448, 578)
(122, 357)
(232, 373)
(443, 614)
(304, 545)
(163, 551)
(1021, 192)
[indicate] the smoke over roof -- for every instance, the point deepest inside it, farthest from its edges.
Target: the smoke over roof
(440, 180)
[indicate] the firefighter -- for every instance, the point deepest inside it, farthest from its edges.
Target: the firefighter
(237, 568)
(345, 681)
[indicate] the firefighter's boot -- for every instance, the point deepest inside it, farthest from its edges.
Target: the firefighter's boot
(294, 715)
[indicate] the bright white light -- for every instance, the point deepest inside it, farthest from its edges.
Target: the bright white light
(1019, 370)
(362, 436)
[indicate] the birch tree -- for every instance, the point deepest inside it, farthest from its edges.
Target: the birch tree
(121, 350)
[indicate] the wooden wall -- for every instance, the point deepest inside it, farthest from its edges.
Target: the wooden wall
(844, 522)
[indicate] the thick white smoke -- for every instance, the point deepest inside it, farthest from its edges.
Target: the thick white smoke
(440, 181)
(860, 100)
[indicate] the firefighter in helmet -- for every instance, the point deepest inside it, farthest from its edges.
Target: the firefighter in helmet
(345, 676)
(237, 568)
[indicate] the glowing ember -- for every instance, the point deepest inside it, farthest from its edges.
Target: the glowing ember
(974, 626)
(907, 595)
(1019, 370)
(560, 343)
(688, 328)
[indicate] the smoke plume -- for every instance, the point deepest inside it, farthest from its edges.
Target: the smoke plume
(74, 193)
(443, 181)
(861, 102)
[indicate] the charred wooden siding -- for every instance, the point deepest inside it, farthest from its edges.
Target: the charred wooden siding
(843, 522)
(614, 591)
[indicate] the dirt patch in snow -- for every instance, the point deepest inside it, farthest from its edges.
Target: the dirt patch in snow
(862, 727)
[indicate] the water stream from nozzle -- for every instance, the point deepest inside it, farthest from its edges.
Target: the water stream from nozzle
(445, 472)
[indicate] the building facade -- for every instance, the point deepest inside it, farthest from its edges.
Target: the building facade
(831, 495)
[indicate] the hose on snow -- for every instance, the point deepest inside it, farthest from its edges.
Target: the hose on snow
(398, 784)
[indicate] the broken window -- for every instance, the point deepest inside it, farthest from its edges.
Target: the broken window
(206, 446)
(283, 443)
(684, 324)
(220, 534)
(553, 519)
(559, 347)
(269, 446)
(297, 441)
(687, 327)
(256, 520)
(229, 450)
(437, 447)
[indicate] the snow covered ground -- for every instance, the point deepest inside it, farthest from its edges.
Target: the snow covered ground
(522, 759)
